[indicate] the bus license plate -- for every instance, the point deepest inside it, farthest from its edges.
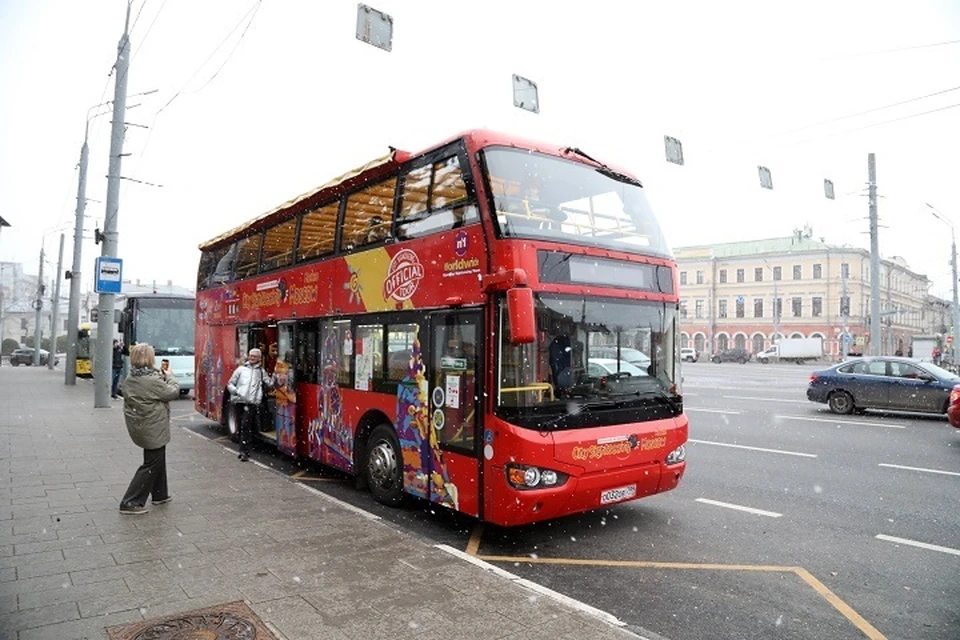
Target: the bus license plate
(618, 494)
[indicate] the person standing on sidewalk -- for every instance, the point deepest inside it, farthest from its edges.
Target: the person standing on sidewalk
(146, 408)
(247, 386)
(117, 368)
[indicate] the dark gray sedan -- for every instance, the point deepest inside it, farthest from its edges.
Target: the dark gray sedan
(898, 384)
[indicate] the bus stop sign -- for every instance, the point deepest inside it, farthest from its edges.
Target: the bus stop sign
(108, 275)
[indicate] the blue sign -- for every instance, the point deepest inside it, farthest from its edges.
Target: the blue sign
(108, 272)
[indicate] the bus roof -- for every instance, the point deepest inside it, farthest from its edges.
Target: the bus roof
(475, 139)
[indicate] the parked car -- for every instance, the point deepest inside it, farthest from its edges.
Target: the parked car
(731, 355)
(603, 367)
(901, 384)
(25, 356)
(689, 354)
(953, 408)
(633, 356)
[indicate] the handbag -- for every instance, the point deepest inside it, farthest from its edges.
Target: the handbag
(267, 408)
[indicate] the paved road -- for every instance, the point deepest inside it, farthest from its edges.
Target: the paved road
(790, 522)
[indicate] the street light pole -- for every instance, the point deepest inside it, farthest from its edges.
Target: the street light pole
(105, 306)
(953, 268)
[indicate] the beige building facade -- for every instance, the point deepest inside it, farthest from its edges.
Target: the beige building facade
(748, 294)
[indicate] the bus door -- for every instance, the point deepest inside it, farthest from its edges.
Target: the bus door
(264, 337)
(454, 374)
(306, 377)
(285, 391)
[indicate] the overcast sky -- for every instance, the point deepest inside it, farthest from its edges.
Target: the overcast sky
(258, 102)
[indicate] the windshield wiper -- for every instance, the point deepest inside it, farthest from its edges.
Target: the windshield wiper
(666, 397)
(605, 170)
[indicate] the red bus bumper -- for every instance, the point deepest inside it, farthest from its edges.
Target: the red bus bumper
(511, 506)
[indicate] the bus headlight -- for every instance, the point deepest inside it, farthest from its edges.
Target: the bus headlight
(676, 456)
(521, 476)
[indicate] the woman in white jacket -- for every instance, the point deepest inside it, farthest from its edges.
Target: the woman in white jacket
(247, 386)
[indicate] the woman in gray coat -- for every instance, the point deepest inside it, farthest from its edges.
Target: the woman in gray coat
(146, 409)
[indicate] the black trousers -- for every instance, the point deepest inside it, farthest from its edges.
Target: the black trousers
(150, 478)
(249, 422)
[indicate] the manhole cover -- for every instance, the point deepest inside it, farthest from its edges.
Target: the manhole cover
(230, 621)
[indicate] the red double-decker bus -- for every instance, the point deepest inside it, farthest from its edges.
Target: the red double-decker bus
(489, 324)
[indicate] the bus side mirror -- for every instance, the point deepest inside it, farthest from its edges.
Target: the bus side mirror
(523, 322)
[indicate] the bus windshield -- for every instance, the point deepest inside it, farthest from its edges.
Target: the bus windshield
(166, 324)
(541, 196)
(596, 361)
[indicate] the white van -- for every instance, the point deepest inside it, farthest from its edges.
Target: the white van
(688, 354)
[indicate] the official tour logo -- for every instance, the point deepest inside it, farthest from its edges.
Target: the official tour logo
(403, 276)
(461, 243)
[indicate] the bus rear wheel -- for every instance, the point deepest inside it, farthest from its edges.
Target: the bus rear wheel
(385, 466)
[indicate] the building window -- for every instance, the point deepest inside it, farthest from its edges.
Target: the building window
(777, 273)
(845, 305)
(845, 270)
(23, 324)
(758, 274)
(739, 307)
(797, 272)
(817, 307)
(758, 307)
(683, 277)
(777, 307)
(683, 308)
(797, 304)
(698, 309)
(739, 275)
(722, 309)
(723, 276)
(699, 277)
(817, 271)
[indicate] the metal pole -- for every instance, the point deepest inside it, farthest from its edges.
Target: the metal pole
(38, 305)
(876, 339)
(73, 314)
(2, 319)
(844, 314)
(55, 318)
(105, 325)
(953, 269)
(956, 305)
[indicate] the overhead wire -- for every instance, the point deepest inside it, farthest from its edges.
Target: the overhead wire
(875, 109)
(249, 17)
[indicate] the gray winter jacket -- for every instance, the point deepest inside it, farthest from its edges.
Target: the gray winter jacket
(146, 395)
(247, 384)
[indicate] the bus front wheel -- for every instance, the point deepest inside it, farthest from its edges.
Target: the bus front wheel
(385, 466)
(232, 420)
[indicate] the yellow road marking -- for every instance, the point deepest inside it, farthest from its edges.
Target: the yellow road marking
(842, 607)
(474, 543)
(637, 564)
(299, 475)
(868, 629)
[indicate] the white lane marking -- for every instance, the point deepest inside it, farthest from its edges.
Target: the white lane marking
(731, 413)
(762, 399)
(743, 446)
(533, 586)
(828, 420)
(758, 512)
(921, 545)
(898, 466)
